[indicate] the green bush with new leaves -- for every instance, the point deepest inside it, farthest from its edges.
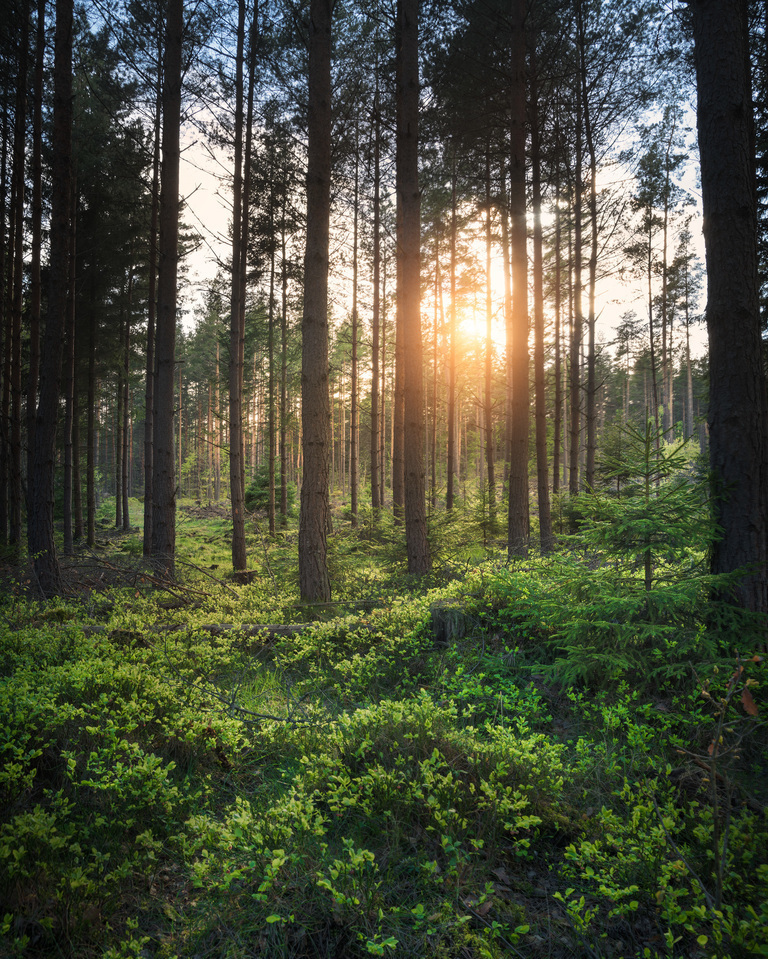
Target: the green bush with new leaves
(548, 758)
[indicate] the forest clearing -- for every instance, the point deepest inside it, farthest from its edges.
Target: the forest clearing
(531, 759)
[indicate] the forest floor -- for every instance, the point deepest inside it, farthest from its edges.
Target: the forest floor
(536, 760)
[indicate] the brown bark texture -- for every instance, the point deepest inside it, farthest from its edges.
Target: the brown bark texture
(517, 528)
(40, 535)
(409, 263)
(163, 480)
(314, 581)
(738, 417)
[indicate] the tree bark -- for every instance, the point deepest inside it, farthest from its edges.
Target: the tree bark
(354, 413)
(37, 231)
(375, 319)
(451, 466)
(236, 331)
(13, 342)
(314, 581)
(517, 529)
(149, 389)
(578, 311)
(488, 404)
(409, 278)
(69, 384)
(42, 547)
(164, 485)
(542, 465)
(738, 410)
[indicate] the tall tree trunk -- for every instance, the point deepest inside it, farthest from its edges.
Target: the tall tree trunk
(542, 465)
(398, 409)
(505, 253)
(375, 317)
(354, 412)
(90, 429)
(383, 431)
(314, 581)
(37, 231)
(558, 417)
(149, 389)
(591, 404)
(236, 332)
(578, 309)
(438, 314)
(489, 438)
(118, 445)
(69, 384)
(77, 491)
(409, 292)
(738, 413)
(13, 343)
(6, 261)
(272, 399)
(284, 370)
(451, 466)
(517, 530)
(126, 457)
(42, 546)
(163, 480)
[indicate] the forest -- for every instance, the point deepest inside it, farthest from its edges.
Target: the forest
(383, 479)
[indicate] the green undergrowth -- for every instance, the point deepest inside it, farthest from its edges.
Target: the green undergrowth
(575, 767)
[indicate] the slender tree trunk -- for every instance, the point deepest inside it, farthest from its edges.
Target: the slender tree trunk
(77, 489)
(354, 412)
(542, 465)
(14, 341)
(505, 252)
(163, 481)
(578, 310)
(517, 531)
(398, 409)
(126, 458)
(90, 455)
(284, 372)
(69, 384)
(375, 318)
(489, 438)
(314, 581)
(558, 417)
(272, 399)
(149, 390)
(118, 432)
(437, 315)
(236, 333)
(383, 431)
(41, 542)
(37, 231)
(451, 466)
(6, 261)
(409, 293)
(591, 404)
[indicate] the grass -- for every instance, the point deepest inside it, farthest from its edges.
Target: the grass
(362, 788)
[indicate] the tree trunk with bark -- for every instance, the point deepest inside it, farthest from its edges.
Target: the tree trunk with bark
(40, 532)
(542, 464)
(236, 332)
(163, 482)
(738, 410)
(149, 389)
(314, 581)
(517, 528)
(409, 283)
